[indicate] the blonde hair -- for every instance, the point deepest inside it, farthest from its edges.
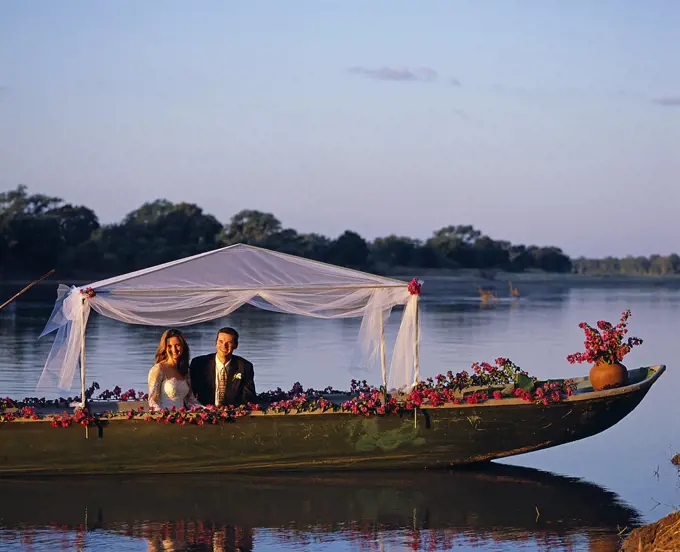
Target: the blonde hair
(162, 355)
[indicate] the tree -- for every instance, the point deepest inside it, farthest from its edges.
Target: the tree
(455, 244)
(186, 224)
(395, 250)
(157, 232)
(150, 212)
(350, 250)
(313, 246)
(76, 224)
(490, 254)
(250, 226)
(30, 239)
(31, 242)
(551, 259)
(18, 202)
(518, 258)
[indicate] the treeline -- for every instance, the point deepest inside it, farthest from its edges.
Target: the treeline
(655, 265)
(39, 232)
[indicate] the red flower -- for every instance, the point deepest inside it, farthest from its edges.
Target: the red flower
(88, 292)
(414, 287)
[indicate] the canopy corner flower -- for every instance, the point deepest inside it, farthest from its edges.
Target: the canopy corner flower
(414, 286)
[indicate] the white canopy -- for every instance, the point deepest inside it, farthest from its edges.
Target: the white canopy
(214, 284)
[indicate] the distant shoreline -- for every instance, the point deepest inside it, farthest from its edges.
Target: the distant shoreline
(532, 275)
(494, 279)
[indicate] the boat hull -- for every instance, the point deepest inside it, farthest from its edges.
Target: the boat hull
(427, 438)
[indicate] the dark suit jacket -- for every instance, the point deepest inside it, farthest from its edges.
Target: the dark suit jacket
(239, 390)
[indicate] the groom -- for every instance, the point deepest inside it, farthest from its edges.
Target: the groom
(223, 378)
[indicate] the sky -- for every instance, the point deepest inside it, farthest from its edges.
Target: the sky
(539, 121)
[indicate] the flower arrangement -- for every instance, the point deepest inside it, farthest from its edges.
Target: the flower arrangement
(81, 416)
(118, 394)
(501, 380)
(607, 343)
(88, 292)
(368, 400)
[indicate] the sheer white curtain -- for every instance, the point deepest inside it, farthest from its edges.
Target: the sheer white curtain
(401, 373)
(181, 308)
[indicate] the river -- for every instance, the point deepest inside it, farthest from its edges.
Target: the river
(578, 496)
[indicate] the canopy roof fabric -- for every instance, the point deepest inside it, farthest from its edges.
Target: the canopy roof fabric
(214, 284)
(240, 266)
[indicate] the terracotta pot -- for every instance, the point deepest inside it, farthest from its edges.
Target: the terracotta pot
(605, 375)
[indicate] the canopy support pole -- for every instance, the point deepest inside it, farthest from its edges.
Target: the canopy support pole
(383, 361)
(82, 353)
(416, 355)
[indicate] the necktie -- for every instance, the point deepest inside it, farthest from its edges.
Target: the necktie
(222, 386)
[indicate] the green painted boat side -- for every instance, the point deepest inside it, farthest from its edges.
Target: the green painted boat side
(428, 438)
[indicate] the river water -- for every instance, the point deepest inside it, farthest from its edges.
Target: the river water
(580, 496)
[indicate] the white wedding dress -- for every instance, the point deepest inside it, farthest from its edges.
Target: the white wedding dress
(168, 392)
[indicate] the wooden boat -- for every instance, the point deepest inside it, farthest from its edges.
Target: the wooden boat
(499, 503)
(429, 437)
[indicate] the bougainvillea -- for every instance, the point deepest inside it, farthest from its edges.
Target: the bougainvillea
(501, 380)
(606, 343)
(414, 287)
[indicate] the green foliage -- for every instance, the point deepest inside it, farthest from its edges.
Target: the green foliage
(39, 232)
(350, 250)
(655, 265)
(396, 251)
(251, 227)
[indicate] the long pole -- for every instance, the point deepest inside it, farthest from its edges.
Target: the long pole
(383, 361)
(29, 286)
(82, 352)
(416, 355)
(231, 290)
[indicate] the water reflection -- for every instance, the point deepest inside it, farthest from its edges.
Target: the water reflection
(496, 505)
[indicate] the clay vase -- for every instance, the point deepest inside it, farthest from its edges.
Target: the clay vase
(607, 375)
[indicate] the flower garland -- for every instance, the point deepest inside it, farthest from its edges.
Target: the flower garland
(498, 381)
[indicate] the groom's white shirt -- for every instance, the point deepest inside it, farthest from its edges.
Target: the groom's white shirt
(219, 370)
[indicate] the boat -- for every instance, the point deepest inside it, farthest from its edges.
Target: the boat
(493, 504)
(100, 437)
(428, 437)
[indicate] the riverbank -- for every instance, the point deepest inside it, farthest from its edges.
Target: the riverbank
(437, 280)
(660, 536)
(468, 281)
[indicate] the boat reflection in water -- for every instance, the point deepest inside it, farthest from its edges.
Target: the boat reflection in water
(498, 506)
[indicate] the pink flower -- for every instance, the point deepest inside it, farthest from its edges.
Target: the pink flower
(605, 344)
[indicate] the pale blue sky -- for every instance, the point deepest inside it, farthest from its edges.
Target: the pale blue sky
(541, 122)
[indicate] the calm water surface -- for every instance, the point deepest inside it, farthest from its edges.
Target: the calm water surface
(574, 497)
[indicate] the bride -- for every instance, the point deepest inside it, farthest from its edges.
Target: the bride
(168, 380)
